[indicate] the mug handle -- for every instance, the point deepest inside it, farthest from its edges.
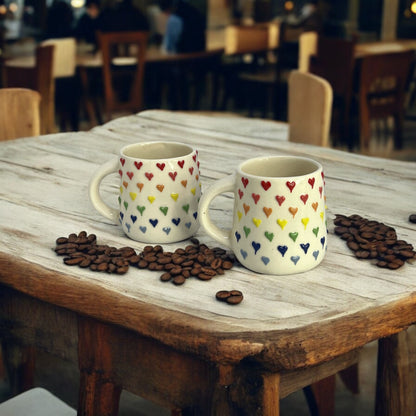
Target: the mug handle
(94, 193)
(221, 186)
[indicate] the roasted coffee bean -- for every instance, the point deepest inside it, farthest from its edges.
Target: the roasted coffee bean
(412, 218)
(73, 261)
(61, 240)
(178, 280)
(203, 276)
(165, 277)
(232, 297)
(222, 295)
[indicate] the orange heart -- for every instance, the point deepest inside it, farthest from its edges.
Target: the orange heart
(315, 206)
(140, 186)
(160, 188)
(293, 211)
(267, 211)
(125, 184)
(184, 183)
(246, 208)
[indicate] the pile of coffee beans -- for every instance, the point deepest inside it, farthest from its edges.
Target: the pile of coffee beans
(82, 250)
(232, 297)
(373, 240)
(195, 260)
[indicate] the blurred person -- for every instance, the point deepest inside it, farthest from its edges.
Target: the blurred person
(88, 23)
(310, 17)
(185, 28)
(59, 21)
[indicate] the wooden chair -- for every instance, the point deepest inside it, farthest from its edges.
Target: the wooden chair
(382, 86)
(310, 108)
(19, 113)
(308, 43)
(35, 402)
(38, 78)
(335, 62)
(120, 62)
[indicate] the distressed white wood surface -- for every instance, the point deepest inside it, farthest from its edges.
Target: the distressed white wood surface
(44, 195)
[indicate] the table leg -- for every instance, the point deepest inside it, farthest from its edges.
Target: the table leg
(396, 387)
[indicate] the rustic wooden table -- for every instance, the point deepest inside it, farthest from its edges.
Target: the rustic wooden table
(178, 346)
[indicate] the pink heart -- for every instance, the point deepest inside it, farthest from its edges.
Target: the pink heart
(161, 166)
(256, 197)
(280, 199)
(138, 165)
(122, 161)
(173, 175)
(181, 163)
(291, 185)
(149, 175)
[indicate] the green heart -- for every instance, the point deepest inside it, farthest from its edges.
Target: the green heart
(315, 231)
(269, 236)
(246, 230)
(164, 210)
(126, 204)
(293, 236)
(140, 209)
(119, 200)
(185, 208)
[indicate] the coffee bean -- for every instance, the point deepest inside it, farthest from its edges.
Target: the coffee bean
(412, 218)
(165, 277)
(73, 261)
(178, 280)
(222, 295)
(232, 297)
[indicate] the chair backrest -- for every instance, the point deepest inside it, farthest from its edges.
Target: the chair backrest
(308, 44)
(246, 39)
(19, 113)
(118, 48)
(64, 61)
(310, 108)
(382, 87)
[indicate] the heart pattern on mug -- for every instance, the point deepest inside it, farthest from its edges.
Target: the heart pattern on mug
(286, 220)
(152, 187)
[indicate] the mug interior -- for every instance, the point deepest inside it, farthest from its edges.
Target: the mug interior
(156, 150)
(279, 166)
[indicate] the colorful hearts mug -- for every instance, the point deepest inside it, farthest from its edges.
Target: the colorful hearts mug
(159, 191)
(279, 220)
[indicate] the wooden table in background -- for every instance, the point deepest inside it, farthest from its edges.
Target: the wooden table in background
(178, 346)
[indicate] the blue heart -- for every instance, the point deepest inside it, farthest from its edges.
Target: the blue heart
(176, 221)
(243, 253)
(316, 254)
(323, 241)
(133, 218)
(188, 225)
(237, 236)
(282, 250)
(154, 222)
(256, 246)
(195, 214)
(265, 260)
(143, 229)
(121, 215)
(166, 230)
(295, 259)
(128, 226)
(305, 247)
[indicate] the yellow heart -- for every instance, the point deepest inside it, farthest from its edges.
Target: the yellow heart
(151, 199)
(133, 195)
(305, 221)
(193, 190)
(174, 196)
(121, 189)
(256, 222)
(322, 215)
(282, 223)
(239, 215)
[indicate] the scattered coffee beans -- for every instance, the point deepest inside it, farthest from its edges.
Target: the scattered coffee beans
(373, 240)
(195, 260)
(82, 250)
(232, 297)
(412, 218)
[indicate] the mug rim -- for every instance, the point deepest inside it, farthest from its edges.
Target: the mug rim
(318, 166)
(190, 148)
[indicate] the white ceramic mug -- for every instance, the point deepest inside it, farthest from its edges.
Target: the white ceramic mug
(279, 220)
(159, 191)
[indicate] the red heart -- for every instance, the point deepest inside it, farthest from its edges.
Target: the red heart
(138, 165)
(266, 185)
(120, 172)
(322, 174)
(240, 193)
(149, 175)
(173, 175)
(122, 161)
(130, 174)
(304, 198)
(256, 197)
(245, 181)
(311, 182)
(280, 199)
(320, 190)
(191, 170)
(291, 185)
(181, 163)
(197, 164)
(194, 157)
(161, 166)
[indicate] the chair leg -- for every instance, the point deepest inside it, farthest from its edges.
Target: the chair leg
(324, 393)
(349, 377)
